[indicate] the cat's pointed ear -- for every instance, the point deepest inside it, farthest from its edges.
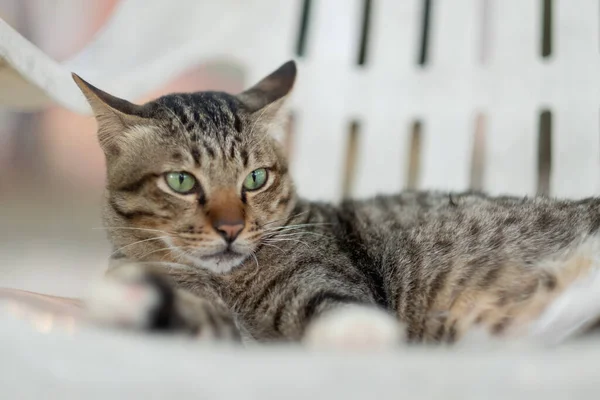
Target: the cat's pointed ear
(113, 114)
(270, 91)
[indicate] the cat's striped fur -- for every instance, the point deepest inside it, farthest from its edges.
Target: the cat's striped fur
(441, 263)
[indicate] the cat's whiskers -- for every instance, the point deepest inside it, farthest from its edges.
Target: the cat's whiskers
(300, 230)
(267, 234)
(169, 248)
(253, 253)
(276, 240)
(290, 227)
(254, 236)
(292, 231)
(272, 245)
(285, 231)
(138, 242)
(296, 226)
(131, 228)
(179, 252)
(285, 218)
(295, 234)
(192, 239)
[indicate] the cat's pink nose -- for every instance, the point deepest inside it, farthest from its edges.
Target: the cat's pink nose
(229, 231)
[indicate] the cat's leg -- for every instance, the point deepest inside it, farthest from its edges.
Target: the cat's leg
(354, 326)
(562, 303)
(319, 304)
(577, 308)
(323, 312)
(140, 296)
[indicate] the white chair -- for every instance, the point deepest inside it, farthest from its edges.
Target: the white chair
(484, 74)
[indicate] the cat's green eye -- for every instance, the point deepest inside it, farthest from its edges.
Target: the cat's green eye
(180, 182)
(255, 179)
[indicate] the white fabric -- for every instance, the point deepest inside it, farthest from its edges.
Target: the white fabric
(95, 364)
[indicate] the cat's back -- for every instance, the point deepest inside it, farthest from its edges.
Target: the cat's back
(426, 219)
(409, 209)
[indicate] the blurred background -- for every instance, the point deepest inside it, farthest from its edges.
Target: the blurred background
(51, 167)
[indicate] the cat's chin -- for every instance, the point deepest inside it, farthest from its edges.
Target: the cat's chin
(220, 262)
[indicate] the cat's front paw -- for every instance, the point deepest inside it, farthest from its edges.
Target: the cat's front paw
(355, 327)
(128, 298)
(136, 299)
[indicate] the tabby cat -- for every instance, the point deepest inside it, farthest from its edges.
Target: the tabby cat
(211, 240)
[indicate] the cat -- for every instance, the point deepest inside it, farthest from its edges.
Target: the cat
(212, 241)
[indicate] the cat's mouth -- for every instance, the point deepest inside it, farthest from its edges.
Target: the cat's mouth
(225, 255)
(221, 261)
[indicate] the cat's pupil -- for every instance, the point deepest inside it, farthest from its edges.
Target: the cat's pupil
(254, 176)
(181, 178)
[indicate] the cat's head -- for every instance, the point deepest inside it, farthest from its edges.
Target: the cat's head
(195, 178)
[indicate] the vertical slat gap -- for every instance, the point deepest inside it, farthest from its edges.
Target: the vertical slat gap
(478, 156)
(413, 170)
(424, 38)
(544, 152)
(303, 28)
(351, 159)
(546, 47)
(364, 33)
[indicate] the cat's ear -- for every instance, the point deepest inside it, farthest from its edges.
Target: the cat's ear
(114, 115)
(271, 91)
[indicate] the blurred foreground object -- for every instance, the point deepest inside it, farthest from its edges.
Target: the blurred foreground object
(40, 309)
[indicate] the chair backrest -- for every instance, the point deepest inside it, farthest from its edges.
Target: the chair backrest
(498, 95)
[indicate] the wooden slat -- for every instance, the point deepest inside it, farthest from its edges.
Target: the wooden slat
(261, 51)
(576, 151)
(511, 151)
(515, 34)
(451, 97)
(576, 89)
(447, 144)
(511, 92)
(387, 101)
(323, 97)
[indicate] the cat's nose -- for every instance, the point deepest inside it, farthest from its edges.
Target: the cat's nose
(229, 230)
